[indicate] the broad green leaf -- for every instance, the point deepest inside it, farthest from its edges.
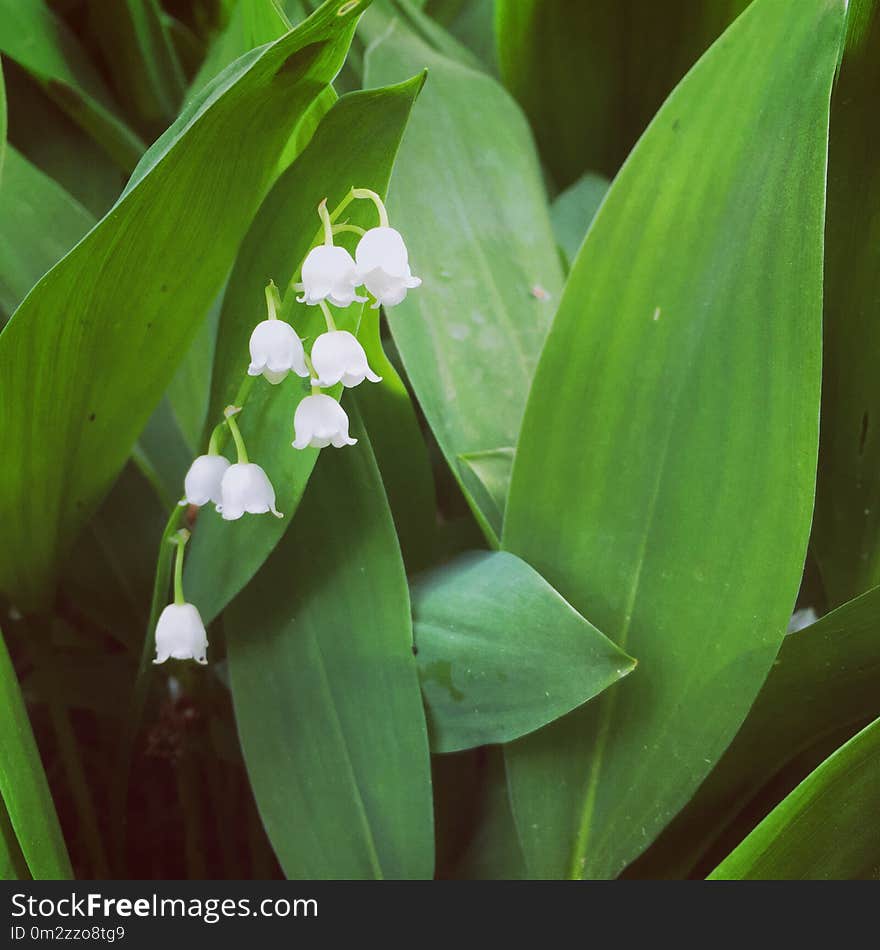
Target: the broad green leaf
(39, 223)
(846, 536)
(190, 389)
(826, 829)
(470, 336)
(325, 687)
(140, 58)
(826, 678)
(501, 654)
(573, 210)
(132, 292)
(663, 481)
(591, 75)
(40, 42)
(23, 785)
(400, 450)
(356, 143)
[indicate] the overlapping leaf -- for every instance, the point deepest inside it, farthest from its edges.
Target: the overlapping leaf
(132, 292)
(501, 653)
(355, 144)
(664, 477)
(826, 829)
(470, 337)
(325, 686)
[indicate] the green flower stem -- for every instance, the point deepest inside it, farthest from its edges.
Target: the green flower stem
(334, 216)
(326, 222)
(140, 691)
(273, 300)
(230, 414)
(328, 316)
(349, 229)
(377, 201)
(180, 540)
(310, 366)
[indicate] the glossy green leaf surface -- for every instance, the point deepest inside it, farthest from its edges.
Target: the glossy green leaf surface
(826, 678)
(362, 132)
(23, 785)
(501, 654)
(39, 41)
(675, 392)
(590, 76)
(325, 686)
(132, 294)
(399, 446)
(39, 223)
(826, 829)
(846, 536)
(470, 336)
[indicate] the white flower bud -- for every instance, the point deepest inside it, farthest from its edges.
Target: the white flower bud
(320, 421)
(181, 634)
(383, 266)
(246, 488)
(202, 482)
(338, 357)
(329, 273)
(275, 351)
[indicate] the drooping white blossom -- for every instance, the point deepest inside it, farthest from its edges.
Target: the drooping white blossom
(202, 482)
(329, 273)
(246, 488)
(181, 634)
(337, 357)
(383, 266)
(276, 350)
(320, 421)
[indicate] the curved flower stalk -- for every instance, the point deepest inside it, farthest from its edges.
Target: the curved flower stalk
(245, 487)
(330, 275)
(382, 259)
(180, 633)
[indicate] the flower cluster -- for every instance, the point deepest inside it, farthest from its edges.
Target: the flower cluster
(330, 275)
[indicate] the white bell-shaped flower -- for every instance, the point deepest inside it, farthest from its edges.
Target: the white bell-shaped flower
(383, 266)
(320, 421)
(246, 488)
(276, 350)
(338, 357)
(329, 273)
(181, 634)
(202, 482)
